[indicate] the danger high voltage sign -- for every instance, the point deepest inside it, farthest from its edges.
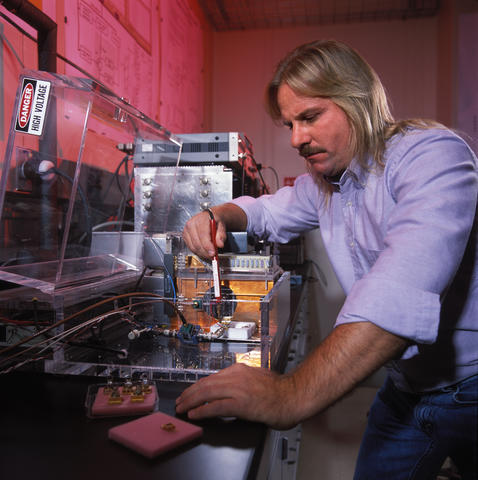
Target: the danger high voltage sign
(32, 108)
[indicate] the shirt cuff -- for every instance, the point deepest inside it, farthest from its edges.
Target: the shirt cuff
(400, 309)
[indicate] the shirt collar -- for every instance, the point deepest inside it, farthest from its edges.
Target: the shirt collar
(357, 173)
(354, 171)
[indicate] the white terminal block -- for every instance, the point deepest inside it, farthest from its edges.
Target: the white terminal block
(215, 328)
(240, 330)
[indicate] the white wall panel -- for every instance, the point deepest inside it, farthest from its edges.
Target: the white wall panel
(402, 52)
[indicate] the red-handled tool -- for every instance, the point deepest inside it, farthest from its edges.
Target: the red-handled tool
(215, 260)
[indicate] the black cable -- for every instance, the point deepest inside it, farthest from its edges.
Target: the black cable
(249, 146)
(125, 196)
(84, 201)
(124, 199)
(112, 179)
(140, 279)
(211, 215)
(275, 175)
(265, 188)
(127, 176)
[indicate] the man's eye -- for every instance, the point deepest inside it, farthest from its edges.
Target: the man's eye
(311, 118)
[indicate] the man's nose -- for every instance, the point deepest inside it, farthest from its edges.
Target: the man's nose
(299, 136)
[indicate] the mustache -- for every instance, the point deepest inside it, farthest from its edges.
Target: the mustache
(307, 150)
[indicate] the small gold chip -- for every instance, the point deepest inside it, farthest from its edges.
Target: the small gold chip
(169, 427)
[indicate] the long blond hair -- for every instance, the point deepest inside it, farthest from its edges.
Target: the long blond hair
(331, 69)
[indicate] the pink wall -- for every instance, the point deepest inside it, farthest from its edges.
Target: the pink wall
(164, 58)
(18, 53)
(403, 53)
(156, 54)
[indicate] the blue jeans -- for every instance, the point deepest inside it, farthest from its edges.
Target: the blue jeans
(409, 436)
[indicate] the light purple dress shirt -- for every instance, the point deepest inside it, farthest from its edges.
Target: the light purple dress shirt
(403, 244)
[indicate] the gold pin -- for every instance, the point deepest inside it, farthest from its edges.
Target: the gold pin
(109, 386)
(147, 387)
(127, 387)
(137, 395)
(115, 397)
(169, 427)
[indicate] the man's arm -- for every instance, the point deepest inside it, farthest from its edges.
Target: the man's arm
(197, 231)
(346, 357)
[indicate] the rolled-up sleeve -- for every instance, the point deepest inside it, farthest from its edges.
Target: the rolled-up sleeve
(411, 313)
(284, 215)
(431, 180)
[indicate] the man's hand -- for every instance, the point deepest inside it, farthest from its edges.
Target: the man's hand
(346, 357)
(250, 393)
(197, 231)
(197, 235)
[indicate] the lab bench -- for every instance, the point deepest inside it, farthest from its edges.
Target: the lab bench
(46, 434)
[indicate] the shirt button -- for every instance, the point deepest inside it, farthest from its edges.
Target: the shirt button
(351, 244)
(349, 204)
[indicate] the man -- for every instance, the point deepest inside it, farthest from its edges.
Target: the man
(396, 205)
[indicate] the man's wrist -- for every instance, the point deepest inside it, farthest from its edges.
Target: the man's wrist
(231, 216)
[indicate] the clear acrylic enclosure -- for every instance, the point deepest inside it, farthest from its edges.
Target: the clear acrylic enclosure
(67, 173)
(91, 279)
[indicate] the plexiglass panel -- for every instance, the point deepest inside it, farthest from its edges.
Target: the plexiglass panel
(68, 173)
(94, 275)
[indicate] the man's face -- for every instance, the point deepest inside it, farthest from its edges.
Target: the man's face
(320, 131)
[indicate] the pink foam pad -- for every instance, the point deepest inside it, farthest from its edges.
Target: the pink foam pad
(154, 434)
(101, 407)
